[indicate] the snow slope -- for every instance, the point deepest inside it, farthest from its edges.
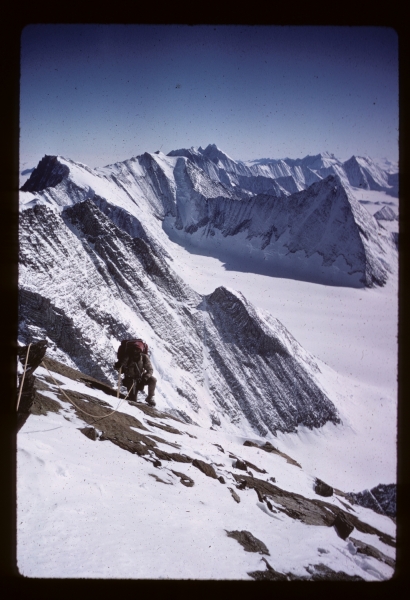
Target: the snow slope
(94, 509)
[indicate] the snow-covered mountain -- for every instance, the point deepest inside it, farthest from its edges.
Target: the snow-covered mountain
(321, 234)
(98, 263)
(96, 266)
(291, 175)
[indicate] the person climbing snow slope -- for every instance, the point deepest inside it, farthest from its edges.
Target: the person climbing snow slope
(134, 362)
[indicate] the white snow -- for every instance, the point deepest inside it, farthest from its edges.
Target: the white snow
(90, 509)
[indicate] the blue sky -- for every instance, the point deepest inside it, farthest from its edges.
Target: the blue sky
(102, 93)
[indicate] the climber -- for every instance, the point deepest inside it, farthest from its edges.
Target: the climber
(137, 369)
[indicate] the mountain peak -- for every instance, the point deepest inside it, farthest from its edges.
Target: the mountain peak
(48, 173)
(214, 153)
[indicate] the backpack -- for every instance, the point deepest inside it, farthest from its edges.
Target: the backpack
(127, 345)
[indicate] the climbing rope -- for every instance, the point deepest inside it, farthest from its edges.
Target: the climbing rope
(119, 382)
(24, 374)
(86, 413)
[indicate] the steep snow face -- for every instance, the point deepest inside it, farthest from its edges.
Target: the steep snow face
(325, 222)
(193, 189)
(85, 284)
(362, 172)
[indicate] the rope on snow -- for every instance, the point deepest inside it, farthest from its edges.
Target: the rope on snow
(24, 374)
(86, 413)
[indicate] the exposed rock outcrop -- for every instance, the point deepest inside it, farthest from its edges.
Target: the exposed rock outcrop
(322, 488)
(104, 424)
(343, 526)
(49, 173)
(311, 511)
(318, 572)
(249, 542)
(205, 467)
(381, 499)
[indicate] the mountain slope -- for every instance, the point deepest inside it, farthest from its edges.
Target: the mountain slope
(325, 220)
(85, 284)
(179, 501)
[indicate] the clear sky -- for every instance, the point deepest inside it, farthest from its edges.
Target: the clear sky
(102, 93)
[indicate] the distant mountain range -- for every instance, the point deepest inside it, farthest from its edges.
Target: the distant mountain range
(298, 216)
(290, 175)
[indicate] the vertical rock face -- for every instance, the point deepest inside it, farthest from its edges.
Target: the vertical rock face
(49, 173)
(85, 284)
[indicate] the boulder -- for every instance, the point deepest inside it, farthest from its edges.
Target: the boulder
(323, 489)
(184, 479)
(249, 542)
(240, 464)
(234, 495)
(342, 526)
(206, 468)
(90, 432)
